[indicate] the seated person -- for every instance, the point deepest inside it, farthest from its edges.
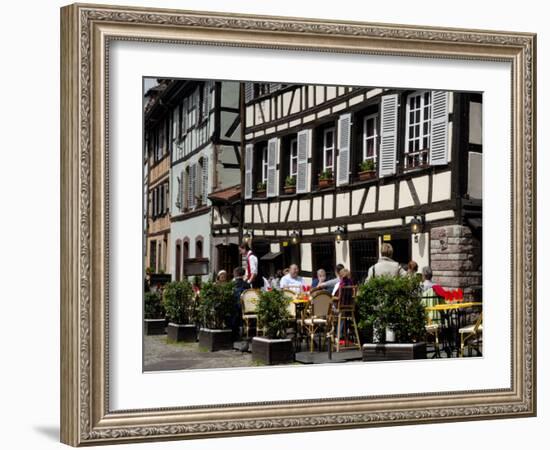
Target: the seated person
(292, 280)
(430, 296)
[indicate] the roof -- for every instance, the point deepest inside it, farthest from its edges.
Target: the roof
(226, 195)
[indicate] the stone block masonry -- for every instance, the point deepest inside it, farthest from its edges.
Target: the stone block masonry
(455, 257)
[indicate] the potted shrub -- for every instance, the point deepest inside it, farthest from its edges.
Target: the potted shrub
(154, 321)
(178, 302)
(273, 316)
(216, 305)
(290, 185)
(326, 179)
(367, 170)
(260, 189)
(392, 306)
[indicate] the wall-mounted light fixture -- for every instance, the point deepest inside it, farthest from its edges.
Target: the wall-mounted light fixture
(340, 233)
(247, 237)
(417, 225)
(294, 238)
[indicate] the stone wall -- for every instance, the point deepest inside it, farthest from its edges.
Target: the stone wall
(455, 257)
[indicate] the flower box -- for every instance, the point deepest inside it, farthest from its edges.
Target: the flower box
(272, 351)
(394, 352)
(213, 340)
(182, 333)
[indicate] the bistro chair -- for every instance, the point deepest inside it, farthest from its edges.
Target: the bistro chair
(344, 319)
(317, 315)
(249, 304)
(433, 318)
(470, 336)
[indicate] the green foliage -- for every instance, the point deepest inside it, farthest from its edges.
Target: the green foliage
(395, 303)
(290, 181)
(178, 302)
(273, 314)
(367, 165)
(326, 174)
(216, 304)
(154, 308)
(261, 186)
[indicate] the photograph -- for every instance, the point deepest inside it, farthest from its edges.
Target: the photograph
(299, 224)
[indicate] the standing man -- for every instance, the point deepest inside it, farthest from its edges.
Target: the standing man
(252, 276)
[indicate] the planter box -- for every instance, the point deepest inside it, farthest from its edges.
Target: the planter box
(326, 183)
(214, 340)
(289, 189)
(394, 352)
(272, 351)
(181, 333)
(154, 326)
(367, 175)
(260, 194)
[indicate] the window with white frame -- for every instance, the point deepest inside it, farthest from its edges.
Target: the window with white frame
(370, 137)
(417, 138)
(293, 160)
(328, 149)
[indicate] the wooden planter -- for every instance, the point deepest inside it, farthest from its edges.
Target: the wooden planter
(326, 183)
(182, 333)
(367, 175)
(272, 351)
(154, 326)
(394, 352)
(260, 194)
(289, 189)
(214, 340)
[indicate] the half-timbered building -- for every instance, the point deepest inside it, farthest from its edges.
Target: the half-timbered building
(157, 171)
(203, 134)
(310, 198)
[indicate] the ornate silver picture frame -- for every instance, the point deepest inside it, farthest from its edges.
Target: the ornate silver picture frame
(87, 31)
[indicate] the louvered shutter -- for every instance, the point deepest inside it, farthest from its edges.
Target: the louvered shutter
(204, 180)
(248, 170)
(272, 175)
(344, 149)
(248, 92)
(388, 135)
(439, 128)
(302, 177)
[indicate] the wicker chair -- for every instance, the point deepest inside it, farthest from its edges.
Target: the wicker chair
(433, 325)
(249, 303)
(344, 317)
(317, 315)
(470, 336)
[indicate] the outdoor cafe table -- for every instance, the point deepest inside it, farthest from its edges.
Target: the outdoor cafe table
(451, 319)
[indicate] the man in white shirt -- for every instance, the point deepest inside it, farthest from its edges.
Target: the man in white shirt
(251, 268)
(292, 280)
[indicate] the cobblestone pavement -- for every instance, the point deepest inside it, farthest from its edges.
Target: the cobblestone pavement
(160, 355)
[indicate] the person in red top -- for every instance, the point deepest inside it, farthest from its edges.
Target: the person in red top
(252, 276)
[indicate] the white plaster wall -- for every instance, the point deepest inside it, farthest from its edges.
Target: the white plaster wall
(421, 250)
(342, 254)
(441, 188)
(386, 200)
(305, 249)
(190, 228)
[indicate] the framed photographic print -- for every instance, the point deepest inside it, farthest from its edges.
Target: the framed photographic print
(267, 222)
